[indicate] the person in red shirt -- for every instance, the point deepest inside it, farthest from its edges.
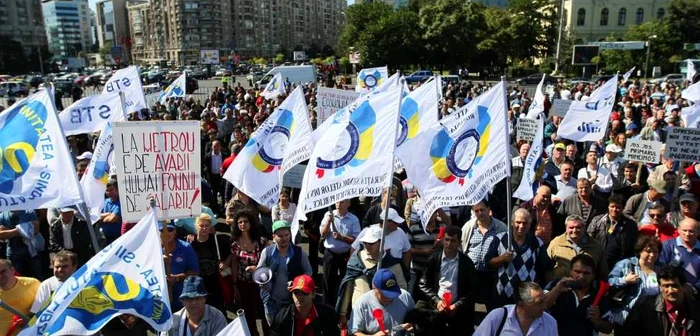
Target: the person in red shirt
(304, 317)
(658, 225)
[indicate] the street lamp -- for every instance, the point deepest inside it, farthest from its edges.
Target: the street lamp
(646, 64)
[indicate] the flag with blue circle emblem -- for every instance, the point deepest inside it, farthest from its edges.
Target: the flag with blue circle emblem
(126, 277)
(281, 142)
(355, 155)
(459, 160)
(370, 78)
(36, 167)
(275, 87)
(419, 112)
(176, 89)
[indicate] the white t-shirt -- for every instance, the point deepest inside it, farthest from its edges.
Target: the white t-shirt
(396, 242)
(43, 294)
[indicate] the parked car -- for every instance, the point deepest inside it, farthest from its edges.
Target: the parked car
(418, 76)
(450, 79)
(675, 78)
(13, 89)
(535, 79)
(219, 72)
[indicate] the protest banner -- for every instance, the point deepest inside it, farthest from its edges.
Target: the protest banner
(683, 144)
(162, 159)
(560, 107)
(526, 129)
(294, 176)
(330, 100)
(643, 151)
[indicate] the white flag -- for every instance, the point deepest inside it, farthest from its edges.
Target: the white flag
(692, 93)
(126, 277)
(127, 80)
(419, 112)
(95, 177)
(237, 327)
(36, 168)
(91, 114)
(691, 116)
(176, 89)
(370, 78)
(627, 74)
(275, 87)
(588, 120)
(690, 70)
(281, 142)
(355, 156)
(533, 161)
(458, 164)
(537, 105)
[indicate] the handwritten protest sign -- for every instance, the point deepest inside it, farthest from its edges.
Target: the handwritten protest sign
(526, 129)
(331, 100)
(683, 144)
(160, 159)
(643, 151)
(559, 107)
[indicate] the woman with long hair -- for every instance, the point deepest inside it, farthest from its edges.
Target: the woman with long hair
(284, 209)
(247, 243)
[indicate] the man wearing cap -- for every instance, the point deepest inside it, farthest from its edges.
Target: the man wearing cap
(397, 244)
(71, 234)
(553, 164)
(304, 317)
(637, 206)
(599, 176)
(386, 296)
(339, 229)
(287, 261)
(181, 258)
(360, 272)
(197, 317)
(688, 209)
(612, 160)
(85, 157)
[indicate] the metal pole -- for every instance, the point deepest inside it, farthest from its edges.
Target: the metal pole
(41, 60)
(390, 182)
(559, 34)
(12, 310)
(646, 64)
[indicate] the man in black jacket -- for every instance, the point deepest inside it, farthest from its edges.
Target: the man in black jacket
(673, 312)
(304, 317)
(448, 271)
(617, 233)
(70, 233)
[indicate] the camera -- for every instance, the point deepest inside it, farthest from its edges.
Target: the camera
(573, 284)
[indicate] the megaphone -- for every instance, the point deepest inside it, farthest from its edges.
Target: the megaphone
(262, 275)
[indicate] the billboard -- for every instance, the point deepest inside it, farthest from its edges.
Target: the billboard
(209, 56)
(583, 54)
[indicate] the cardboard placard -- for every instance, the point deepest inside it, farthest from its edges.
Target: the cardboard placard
(643, 151)
(683, 144)
(160, 159)
(330, 100)
(526, 129)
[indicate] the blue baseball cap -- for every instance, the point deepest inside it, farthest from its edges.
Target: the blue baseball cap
(171, 225)
(385, 281)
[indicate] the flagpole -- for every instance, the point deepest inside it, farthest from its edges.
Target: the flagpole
(509, 191)
(82, 207)
(390, 180)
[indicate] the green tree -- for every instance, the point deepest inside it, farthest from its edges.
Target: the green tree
(279, 58)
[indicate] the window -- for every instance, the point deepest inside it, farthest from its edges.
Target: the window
(660, 13)
(639, 17)
(604, 17)
(581, 17)
(621, 17)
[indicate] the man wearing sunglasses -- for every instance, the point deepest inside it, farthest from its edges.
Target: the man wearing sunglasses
(657, 224)
(181, 261)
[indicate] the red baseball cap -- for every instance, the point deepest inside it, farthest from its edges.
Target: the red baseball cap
(303, 283)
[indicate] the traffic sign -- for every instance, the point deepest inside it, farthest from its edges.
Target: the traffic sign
(624, 45)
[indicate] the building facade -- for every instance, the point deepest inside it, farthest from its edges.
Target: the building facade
(67, 26)
(177, 30)
(23, 22)
(112, 24)
(595, 20)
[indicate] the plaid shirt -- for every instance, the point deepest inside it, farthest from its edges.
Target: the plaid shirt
(479, 246)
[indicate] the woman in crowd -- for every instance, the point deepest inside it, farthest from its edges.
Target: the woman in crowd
(634, 277)
(211, 250)
(246, 245)
(284, 209)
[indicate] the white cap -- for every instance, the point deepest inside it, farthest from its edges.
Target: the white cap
(393, 216)
(613, 148)
(372, 235)
(85, 156)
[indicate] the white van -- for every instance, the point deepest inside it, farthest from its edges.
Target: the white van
(292, 73)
